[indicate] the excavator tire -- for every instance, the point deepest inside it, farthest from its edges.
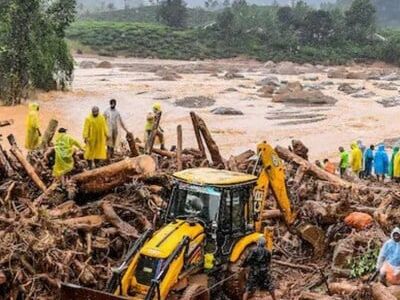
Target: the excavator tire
(196, 292)
(236, 285)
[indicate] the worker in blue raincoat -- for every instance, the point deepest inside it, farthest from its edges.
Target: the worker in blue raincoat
(381, 162)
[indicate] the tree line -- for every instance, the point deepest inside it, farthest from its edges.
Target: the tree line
(33, 51)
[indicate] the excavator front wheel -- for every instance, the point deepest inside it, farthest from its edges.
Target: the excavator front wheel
(196, 292)
(235, 286)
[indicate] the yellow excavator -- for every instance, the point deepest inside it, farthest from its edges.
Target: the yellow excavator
(213, 219)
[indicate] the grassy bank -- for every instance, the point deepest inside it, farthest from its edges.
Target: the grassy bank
(153, 40)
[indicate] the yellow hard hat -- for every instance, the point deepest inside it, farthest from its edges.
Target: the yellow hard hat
(157, 106)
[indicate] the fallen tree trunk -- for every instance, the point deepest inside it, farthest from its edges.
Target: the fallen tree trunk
(49, 134)
(271, 214)
(132, 145)
(6, 123)
(112, 217)
(179, 148)
(86, 223)
(211, 144)
(380, 292)
(197, 134)
(306, 166)
(165, 153)
(5, 164)
(106, 178)
(25, 164)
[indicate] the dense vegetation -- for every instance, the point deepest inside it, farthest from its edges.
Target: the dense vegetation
(297, 33)
(34, 53)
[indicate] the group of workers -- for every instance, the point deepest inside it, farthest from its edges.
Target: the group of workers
(363, 162)
(100, 136)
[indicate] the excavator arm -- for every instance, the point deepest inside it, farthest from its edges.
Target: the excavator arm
(272, 175)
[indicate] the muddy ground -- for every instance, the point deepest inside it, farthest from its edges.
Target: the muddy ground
(138, 83)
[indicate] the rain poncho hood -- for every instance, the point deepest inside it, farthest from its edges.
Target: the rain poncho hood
(381, 161)
(391, 166)
(64, 149)
(356, 158)
(95, 132)
(32, 138)
(390, 252)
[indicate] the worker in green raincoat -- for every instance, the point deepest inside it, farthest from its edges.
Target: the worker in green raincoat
(391, 166)
(64, 148)
(32, 138)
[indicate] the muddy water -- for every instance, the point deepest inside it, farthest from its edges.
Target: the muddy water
(133, 83)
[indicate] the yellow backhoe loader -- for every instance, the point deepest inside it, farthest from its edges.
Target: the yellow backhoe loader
(213, 219)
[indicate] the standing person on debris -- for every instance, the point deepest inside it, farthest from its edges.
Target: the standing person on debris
(391, 166)
(362, 148)
(95, 135)
(150, 119)
(259, 261)
(388, 263)
(396, 167)
(356, 159)
(329, 166)
(344, 161)
(368, 161)
(64, 148)
(114, 120)
(33, 133)
(381, 162)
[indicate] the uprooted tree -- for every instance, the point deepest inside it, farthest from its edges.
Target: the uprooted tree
(33, 52)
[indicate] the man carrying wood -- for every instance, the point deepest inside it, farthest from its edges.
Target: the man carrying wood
(64, 149)
(259, 261)
(114, 120)
(33, 134)
(95, 135)
(388, 263)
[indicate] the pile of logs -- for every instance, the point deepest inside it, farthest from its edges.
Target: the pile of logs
(77, 231)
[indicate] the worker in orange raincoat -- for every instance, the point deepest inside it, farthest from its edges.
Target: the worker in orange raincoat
(32, 138)
(356, 159)
(95, 135)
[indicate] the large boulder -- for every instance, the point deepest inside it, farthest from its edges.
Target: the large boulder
(226, 111)
(268, 80)
(266, 91)
(391, 77)
(339, 72)
(105, 65)
(287, 68)
(87, 64)
(290, 87)
(349, 89)
(357, 75)
(301, 97)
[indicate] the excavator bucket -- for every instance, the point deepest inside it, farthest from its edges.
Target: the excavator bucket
(71, 291)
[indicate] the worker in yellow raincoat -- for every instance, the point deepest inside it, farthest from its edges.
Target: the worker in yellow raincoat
(356, 159)
(64, 149)
(150, 119)
(396, 167)
(95, 135)
(32, 138)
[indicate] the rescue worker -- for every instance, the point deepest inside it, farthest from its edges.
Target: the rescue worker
(391, 166)
(64, 150)
(388, 263)
(150, 119)
(33, 133)
(396, 167)
(329, 166)
(114, 120)
(356, 159)
(259, 261)
(344, 161)
(95, 134)
(362, 148)
(381, 162)
(368, 161)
